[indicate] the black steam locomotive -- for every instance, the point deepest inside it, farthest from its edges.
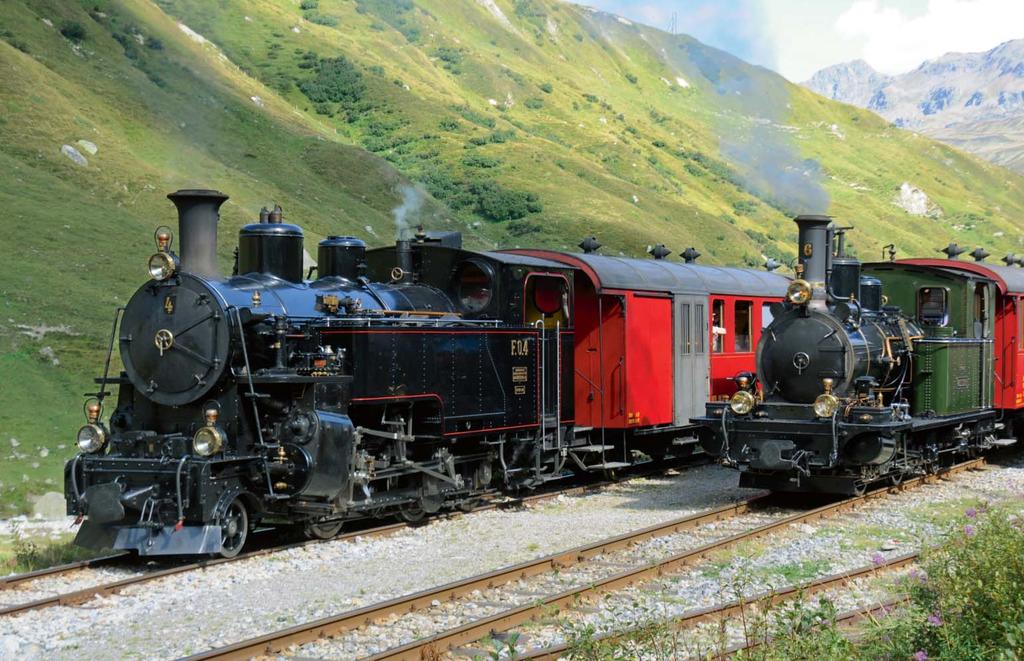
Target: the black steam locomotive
(393, 383)
(851, 391)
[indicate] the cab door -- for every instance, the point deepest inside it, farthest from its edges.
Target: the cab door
(691, 357)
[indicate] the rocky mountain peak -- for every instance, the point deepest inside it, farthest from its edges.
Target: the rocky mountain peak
(972, 100)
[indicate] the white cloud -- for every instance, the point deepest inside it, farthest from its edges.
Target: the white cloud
(895, 42)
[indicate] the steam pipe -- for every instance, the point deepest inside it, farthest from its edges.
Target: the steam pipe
(198, 214)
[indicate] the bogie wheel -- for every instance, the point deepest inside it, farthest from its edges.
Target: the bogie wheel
(412, 514)
(322, 529)
(234, 529)
(611, 474)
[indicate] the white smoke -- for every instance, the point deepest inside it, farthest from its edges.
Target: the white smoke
(409, 210)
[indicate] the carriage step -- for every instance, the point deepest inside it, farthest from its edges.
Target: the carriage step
(609, 465)
(582, 430)
(592, 448)
(1003, 442)
(689, 440)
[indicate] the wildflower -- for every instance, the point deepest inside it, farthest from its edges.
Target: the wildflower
(969, 530)
(918, 575)
(935, 620)
(971, 513)
(920, 655)
(878, 559)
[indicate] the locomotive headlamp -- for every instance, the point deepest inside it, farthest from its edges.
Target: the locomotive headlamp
(742, 402)
(162, 265)
(208, 441)
(92, 411)
(798, 292)
(91, 438)
(743, 381)
(826, 405)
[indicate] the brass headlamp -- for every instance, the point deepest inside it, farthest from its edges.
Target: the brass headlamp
(826, 404)
(742, 402)
(209, 439)
(163, 263)
(798, 292)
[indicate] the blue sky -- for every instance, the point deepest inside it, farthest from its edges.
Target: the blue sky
(798, 37)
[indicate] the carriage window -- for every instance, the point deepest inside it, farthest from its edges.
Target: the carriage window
(718, 326)
(933, 306)
(684, 328)
(743, 310)
(766, 315)
(700, 328)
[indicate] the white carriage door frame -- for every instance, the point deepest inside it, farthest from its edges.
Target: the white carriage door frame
(690, 351)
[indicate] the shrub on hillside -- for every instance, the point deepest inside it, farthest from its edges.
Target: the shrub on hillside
(451, 58)
(534, 103)
(744, 207)
(306, 5)
(495, 202)
(448, 124)
(471, 115)
(73, 30)
(321, 19)
(547, 88)
(481, 161)
(498, 137)
(335, 80)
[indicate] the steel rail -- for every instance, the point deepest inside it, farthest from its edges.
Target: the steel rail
(301, 634)
(105, 589)
(737, 606)
(349, 620)
(7, 582)
(475, 630)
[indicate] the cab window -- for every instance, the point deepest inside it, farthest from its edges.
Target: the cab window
(933, 306)
(744, 322)
(718, 326)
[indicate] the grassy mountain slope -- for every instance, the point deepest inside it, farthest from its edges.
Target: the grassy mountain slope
(526, 122)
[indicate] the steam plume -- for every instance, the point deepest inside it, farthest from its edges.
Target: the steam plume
(409, 210)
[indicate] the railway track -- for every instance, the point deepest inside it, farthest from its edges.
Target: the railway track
(509, 618)
(13, 583)
(736, 606)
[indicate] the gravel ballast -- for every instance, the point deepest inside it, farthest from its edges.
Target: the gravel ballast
(184, 614)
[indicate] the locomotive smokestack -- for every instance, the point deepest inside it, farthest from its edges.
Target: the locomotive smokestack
(198, 214)
(403, 250)
(815, 252)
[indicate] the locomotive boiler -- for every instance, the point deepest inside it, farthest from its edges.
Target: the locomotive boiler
(827, 408)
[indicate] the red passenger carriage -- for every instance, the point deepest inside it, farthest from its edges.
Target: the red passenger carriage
(654, 340)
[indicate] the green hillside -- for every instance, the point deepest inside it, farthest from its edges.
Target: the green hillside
(526, 123)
